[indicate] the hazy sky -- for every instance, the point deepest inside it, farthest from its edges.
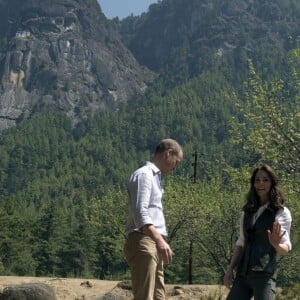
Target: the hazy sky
(124, 8)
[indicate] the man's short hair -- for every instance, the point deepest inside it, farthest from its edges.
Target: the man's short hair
(166, 144)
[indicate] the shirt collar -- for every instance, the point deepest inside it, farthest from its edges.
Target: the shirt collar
(266, 205)
(263, 207)
(154, 168)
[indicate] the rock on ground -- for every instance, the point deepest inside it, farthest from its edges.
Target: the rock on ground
(28, 291)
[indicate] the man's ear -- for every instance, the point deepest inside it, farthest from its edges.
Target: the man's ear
(167, 153)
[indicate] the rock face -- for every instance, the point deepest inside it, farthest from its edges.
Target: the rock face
(29, 291)
(65, 55)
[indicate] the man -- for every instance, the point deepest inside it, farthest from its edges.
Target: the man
(146, 249)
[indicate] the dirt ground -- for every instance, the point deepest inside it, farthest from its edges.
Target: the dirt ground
(91, 289)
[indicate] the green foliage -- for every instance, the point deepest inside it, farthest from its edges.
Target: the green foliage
(3, 44)
(289, 293)
(271, 120)
(269, 131)
(108, 215)
(200, 215)
(63, 187)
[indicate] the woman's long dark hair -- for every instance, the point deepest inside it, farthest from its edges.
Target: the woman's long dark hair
(275, 195)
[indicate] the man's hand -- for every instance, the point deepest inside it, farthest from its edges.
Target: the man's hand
(163, 248)
(165, 251)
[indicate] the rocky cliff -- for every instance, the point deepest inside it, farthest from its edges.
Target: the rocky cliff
(62, 54)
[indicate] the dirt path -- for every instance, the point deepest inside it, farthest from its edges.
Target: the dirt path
(90, 289)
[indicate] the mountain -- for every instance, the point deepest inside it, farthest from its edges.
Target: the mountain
(63, 185)
(66, 55)
(62, 54)
(195, 34)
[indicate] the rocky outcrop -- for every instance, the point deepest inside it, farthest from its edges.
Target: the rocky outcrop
(28, 291)
(64, 55)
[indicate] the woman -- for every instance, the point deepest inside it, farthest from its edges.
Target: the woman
(264, 232)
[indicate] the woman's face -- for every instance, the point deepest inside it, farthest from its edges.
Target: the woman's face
(262, 185)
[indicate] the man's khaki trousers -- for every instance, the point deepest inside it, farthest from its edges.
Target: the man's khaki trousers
(147, 276)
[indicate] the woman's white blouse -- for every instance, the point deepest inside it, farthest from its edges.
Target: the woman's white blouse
(283, 217)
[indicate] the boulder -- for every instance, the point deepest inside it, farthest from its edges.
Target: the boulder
(28, 291)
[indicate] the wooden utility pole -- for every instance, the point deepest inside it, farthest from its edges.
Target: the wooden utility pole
(195, 165)
(191, 254)
(191, 263)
